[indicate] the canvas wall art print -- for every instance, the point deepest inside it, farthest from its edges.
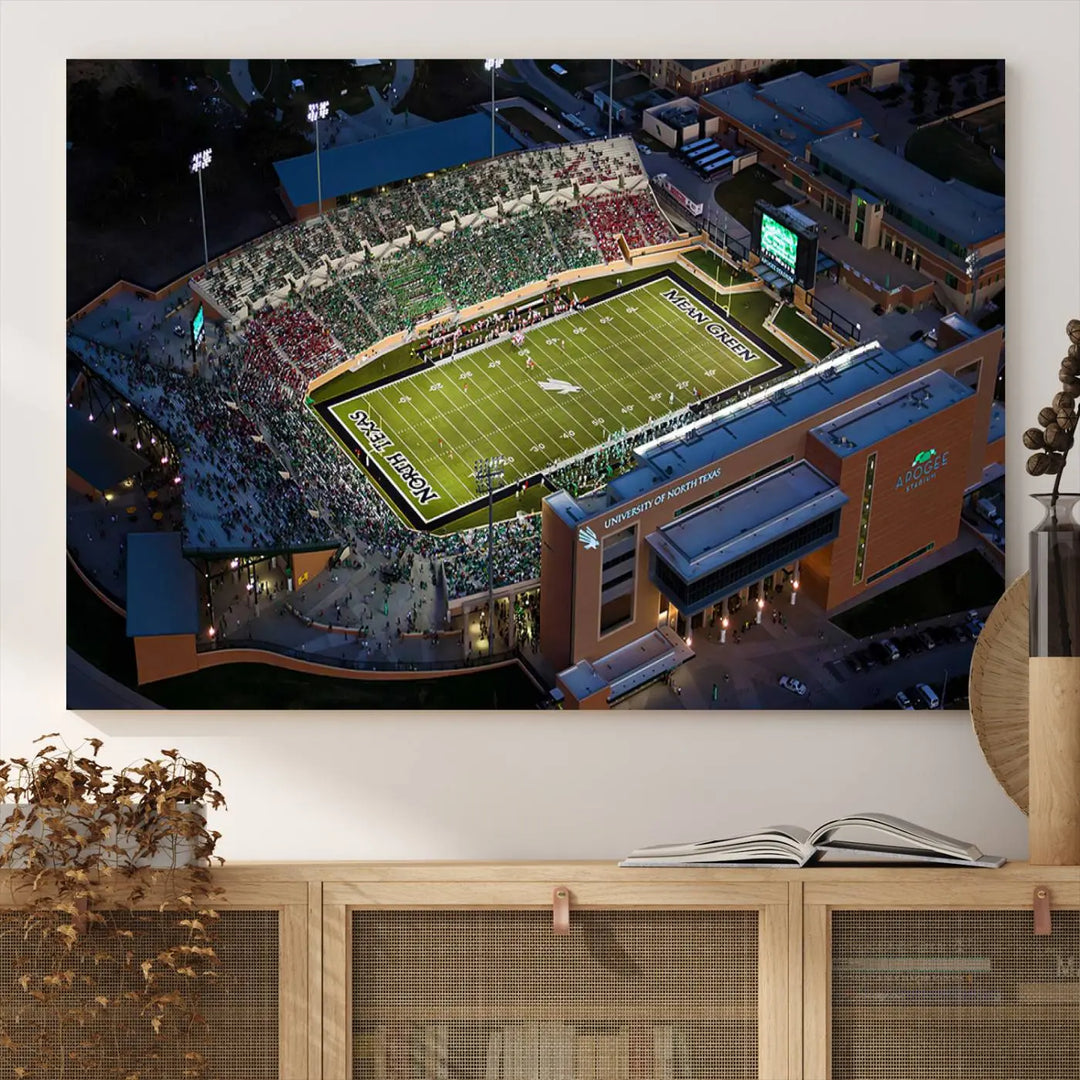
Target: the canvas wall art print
(526, 384)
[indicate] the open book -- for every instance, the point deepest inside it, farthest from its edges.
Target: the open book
(859, 838)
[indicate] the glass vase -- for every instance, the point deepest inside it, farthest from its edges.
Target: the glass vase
(1055, 579)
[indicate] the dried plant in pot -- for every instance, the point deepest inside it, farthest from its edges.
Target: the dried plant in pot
(107, 915)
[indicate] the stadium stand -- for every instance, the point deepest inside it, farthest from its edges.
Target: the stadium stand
(266, 270)
(235, 497)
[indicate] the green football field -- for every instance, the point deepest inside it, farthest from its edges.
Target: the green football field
(616, 365)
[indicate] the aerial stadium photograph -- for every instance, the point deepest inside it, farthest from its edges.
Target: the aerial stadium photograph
(533, 384)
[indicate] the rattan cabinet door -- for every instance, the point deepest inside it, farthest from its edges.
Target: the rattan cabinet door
(954, 995)
(238, 1010)
(496, 995)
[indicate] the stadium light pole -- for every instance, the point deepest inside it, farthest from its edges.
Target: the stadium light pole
(200, 161)
(610, 96)
(492, 65)
(316, 111)
(486, 471)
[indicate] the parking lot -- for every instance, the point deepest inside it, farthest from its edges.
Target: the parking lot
(935, 655)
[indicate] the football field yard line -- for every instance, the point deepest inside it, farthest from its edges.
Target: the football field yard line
(688, 343)
(632, 358)
(731, 365)
(695, 378)
(633, 376)
(421, 465)
(625, 370)
(602, 391)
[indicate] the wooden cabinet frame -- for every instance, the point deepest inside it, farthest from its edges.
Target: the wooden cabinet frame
(828, 890)
(592, 887)
(794, 930)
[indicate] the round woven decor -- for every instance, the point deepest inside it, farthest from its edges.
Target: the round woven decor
(999, 691)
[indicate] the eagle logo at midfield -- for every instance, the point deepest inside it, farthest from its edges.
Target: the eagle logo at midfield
(559, 386)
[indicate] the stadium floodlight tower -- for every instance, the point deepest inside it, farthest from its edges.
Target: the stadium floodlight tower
(200, 161)
(486, 471)
(316, 111)
(492, 66)
(610, 96)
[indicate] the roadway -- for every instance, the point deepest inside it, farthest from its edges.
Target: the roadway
(561, 97)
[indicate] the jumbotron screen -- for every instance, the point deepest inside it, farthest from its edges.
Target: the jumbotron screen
(197, 326)
(779, 242)
(785, 241)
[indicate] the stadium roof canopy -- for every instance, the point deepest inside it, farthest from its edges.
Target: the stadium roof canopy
(386, 160)
(96, 456)
(958, 211)
(746, 520)
(162, 587)
(877, 420)
(813, 104)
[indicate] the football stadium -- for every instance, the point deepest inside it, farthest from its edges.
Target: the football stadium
(533, 337)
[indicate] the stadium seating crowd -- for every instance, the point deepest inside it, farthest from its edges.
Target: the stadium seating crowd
(234, 494)
(269, 265)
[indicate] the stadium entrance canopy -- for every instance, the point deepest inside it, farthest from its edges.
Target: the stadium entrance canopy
(712, 553)
(628, 669)
(162, 587)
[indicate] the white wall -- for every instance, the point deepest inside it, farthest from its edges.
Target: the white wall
(456, 786)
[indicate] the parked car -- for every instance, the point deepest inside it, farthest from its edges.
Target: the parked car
(917, 335)
(855, 665)
(986, 509)
(940, 634)
(796, 687)
(909, 645)
(892, 648)
(928, 696)
(961, 633)
(926, 638)
(882, 653)
(867, 657)
(903, 700)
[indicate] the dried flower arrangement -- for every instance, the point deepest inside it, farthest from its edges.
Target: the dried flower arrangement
(1054, 439)
(108, 914)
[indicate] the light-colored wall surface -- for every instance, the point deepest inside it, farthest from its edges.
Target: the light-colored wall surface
(392, 786)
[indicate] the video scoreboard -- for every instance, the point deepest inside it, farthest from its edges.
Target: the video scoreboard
(198, 327)
(787, 241)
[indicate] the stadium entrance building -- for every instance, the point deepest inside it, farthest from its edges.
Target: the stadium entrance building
(834, 481)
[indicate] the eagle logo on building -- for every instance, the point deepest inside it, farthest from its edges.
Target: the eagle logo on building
(923, 456)
(588, 538)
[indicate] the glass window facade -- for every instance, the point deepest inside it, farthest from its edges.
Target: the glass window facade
(864, 517)
(899, 562)
(909, 219)
(617, 579)
(692, 596)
